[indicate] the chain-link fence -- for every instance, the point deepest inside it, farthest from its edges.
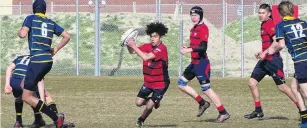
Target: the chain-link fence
(231, 46)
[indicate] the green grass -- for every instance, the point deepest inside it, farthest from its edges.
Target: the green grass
(251, 29)
(108, 102)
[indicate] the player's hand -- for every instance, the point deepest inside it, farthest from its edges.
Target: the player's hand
(184, 46)
(185, 50)
(53, 51)
(257, 55)
(131, 43)
(262, 55)
(8, 89)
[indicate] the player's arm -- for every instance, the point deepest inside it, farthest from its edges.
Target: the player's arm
(65, 39)
(139, 52)
(201, 48)
(8, 74)
(23, 32)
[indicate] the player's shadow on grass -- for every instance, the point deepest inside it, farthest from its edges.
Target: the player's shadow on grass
(46, 126)
(162, 126)
(275, 118)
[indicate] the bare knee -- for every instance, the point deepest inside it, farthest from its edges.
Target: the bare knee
(252, 83)
(139, 102)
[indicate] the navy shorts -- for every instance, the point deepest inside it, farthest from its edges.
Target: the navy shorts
(157, 94)
(200, 70)
(16, 86)
(301, 72)
(272, 68)
(35, 73)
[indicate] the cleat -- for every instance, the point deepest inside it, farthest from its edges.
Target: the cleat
(202, 108)
(38, 123)
(222, 117)
(68, 125)
(254, 114)
(303, 125)
(59, 123)
(139, 123)
(18, 125)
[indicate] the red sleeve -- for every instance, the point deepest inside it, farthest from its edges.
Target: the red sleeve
(270, 28)
(142, 47)
(159, 51)
(204, 33)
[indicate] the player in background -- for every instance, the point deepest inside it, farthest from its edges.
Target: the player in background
(15, 74)
(40, 30)
(200, 67)
(291, 32)
(155, 69)
(272, 65)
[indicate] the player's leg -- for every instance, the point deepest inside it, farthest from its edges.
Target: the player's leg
(301, 77)
(142, 99)
(296, 91)
(17, 92)
(183, 80)
(203, 75)
(36, 73)
(257, 75)
(275, 69)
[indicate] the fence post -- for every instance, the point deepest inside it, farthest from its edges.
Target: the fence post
(134, 7)
(77, 37)
(20, 8)
(287, 64)
(180, 39)
(223, 40)
(97, 38)
(51, 8)
(255, 7)
(158, 10)
(226, 12)
(242, 38)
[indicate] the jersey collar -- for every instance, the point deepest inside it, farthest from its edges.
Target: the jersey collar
(288, 18)
(41, 15)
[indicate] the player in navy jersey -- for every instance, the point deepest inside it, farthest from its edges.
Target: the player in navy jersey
(40, 30)
(15, 74)
(200, 67)
(155, 69)
(291, 32)
(272, 65)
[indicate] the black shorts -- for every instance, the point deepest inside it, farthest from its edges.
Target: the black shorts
(272, 68)
(201, 71)
(35, 73)
(157, 94)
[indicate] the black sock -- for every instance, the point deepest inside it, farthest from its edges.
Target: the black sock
(45, 109)
(37, 115)
(258, 109)
(52, 106)
(18, 109)
(304, 116)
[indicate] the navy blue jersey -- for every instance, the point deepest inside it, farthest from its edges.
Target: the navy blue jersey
(294, 32)
(21, 63)
(40, 35)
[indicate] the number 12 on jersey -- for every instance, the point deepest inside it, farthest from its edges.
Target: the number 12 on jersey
(298, 30)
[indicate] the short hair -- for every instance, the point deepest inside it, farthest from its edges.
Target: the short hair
(285, 8)
(267, 7)
(156, 27)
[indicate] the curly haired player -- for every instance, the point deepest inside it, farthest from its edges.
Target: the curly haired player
(155, 69)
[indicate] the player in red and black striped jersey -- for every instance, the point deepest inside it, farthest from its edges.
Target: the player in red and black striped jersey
(200, 67)
(155, 69)
(272, 65)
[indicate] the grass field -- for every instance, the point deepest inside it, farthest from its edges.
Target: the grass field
(108, 102)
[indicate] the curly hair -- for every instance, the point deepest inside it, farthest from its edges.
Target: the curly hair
(157, 27)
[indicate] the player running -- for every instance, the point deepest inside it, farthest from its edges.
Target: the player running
(291, 32)
(15, 74)
(200, 67)
(272, 65)
(155, 69)
(39, 30)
